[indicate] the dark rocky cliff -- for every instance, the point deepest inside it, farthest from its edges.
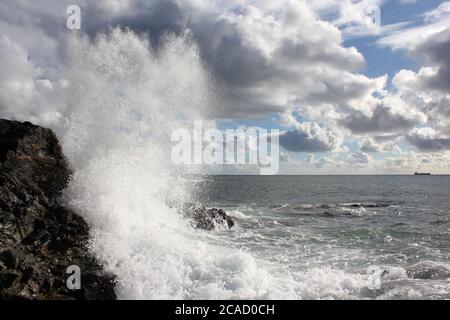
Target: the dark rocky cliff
(39, 238)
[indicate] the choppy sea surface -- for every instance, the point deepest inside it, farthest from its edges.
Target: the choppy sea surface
(340, 237)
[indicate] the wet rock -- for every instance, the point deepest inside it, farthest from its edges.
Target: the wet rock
(39, 237)
(207, 219)
(428, 271)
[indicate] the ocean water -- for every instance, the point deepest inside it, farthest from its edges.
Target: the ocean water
(341, 237)
(295, 238)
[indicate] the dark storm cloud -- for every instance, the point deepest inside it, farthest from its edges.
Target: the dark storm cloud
(427, 139)
(264, 59)
(435, 51)
(300, 142)
(384, 119)
(310, 137)
(265, 56)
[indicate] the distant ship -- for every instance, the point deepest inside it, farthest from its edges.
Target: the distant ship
(422, 174)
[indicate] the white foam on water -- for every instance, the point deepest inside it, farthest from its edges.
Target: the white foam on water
(126, 98)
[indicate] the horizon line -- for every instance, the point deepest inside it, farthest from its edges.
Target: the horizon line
(309, 175)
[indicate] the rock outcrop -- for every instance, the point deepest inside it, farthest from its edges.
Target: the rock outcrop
(40, 238)
(207, 219)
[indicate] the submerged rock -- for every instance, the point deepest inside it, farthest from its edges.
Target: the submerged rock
(207, 219)
(39, 238)
(428, 270)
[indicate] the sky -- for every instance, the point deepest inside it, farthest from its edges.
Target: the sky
(353, 86)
